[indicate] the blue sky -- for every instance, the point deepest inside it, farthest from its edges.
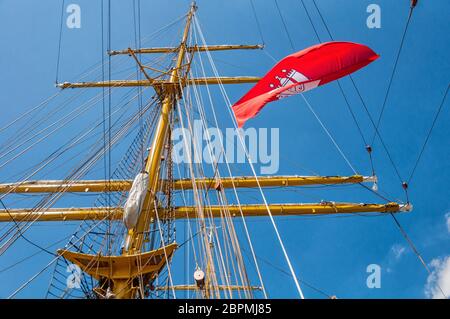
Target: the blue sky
(330, 253)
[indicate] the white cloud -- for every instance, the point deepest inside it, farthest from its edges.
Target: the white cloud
(439, 278)
(398, 251)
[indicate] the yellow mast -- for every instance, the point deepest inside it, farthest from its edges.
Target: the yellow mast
(152, 166)
(135, 237)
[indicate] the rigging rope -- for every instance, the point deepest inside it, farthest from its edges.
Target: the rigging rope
(347, 103)
(228, 102)
(281, 270)
(310, 20)
(393, 71)
(376, 126)
(329, 135)
(202, 113)
(2, 250)
(137, 44)
(429, 134)
(257, 22)
(59, 42)
(34, 254)
(368, 146)
(221, 194)
(284, 25)
(416, 252)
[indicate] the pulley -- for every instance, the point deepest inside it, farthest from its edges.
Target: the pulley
(199, 277)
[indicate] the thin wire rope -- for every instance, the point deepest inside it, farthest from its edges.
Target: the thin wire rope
(281, 270)
(393, 71)
(222, 269)
(310, 20)
(197, 158)
(416, 252)
(59, 41)
(227, 100)
(429, 134)
(397, 172)
(41, 207)
(232, 235)
(164, 248)
(197, 199)
(22, 235)
(48, 265)
(234, 189)
(284, 24)
(258, 25)
(329, 134)
(229, 229)
(347, 103)
(18, 262)
(397, 223)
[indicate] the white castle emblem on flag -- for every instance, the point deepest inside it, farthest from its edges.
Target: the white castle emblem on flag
(291, 77)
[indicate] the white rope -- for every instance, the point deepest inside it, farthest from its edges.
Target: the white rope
(165, 252)
(234, 188)
(329, 134)
(197, 202)
(294, 276)
(217, 174)
(223, 272)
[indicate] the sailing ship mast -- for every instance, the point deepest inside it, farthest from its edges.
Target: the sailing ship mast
(117, 275)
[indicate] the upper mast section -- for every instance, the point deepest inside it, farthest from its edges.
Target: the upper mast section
(176, 79)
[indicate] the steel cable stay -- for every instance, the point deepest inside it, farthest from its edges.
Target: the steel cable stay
(32, 278)
(230, 174)
(204, 120)
(74, 114)
(213, 234)
(222, 268)
(329, 134)
(74, 142)
(6, 194)
(284, 25)
(397, 57)
(368, 146)
(214, 165)
(376, 128)
(60, 39)
(54, 196)
(258, 24)
(228, 102)
(428, 134)
(199, 208)
(28, 130)
(221, 263)
(20, 261)
(146, 39)
(29, 126)
(70, 144)
(347, 103)
(118, 231)
(216, 174)
(281, 270)
(199, 203)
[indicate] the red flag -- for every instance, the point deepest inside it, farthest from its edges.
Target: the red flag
(303, 71)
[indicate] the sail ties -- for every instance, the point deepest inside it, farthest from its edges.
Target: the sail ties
(135, 200)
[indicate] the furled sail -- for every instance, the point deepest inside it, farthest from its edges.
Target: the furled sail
(136, 196)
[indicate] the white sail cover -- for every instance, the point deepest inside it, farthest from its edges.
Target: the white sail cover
(136, 196)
